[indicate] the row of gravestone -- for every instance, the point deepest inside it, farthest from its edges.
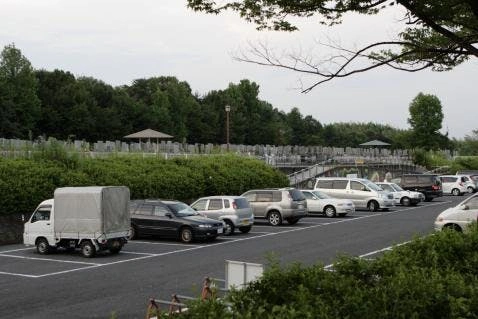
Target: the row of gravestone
(319, 152)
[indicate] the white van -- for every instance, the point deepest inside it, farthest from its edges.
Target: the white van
(460, 216)
(363, 193)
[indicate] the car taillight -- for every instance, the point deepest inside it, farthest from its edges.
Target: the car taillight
(234, 205)
(435, 187)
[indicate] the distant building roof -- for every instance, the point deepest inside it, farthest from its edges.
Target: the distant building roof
(149, 133)
(375, 143)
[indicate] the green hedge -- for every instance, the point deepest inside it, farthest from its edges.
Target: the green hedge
(25, 183)
(433, 277)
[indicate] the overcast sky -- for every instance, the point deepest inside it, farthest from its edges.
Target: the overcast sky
(118, 41)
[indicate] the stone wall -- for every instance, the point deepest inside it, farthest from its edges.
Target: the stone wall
(11, 229)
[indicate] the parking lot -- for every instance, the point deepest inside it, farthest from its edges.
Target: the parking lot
(362, 234)
(26, 262)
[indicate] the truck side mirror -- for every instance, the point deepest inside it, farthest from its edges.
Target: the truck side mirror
(169, 215)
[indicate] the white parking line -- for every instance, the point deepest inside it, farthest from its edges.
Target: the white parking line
(275, 227)
(49, 259)
(160, 243)
(15, 274)
(136, 253)
(13, 250)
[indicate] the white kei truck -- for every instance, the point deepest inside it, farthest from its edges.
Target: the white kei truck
(92, 218)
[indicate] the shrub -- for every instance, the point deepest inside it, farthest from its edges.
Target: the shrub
(431, 277)
(25, 183)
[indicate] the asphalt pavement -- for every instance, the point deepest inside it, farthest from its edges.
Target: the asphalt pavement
(66, 285)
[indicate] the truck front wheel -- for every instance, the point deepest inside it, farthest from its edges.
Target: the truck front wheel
(43, 247)
(88, 250)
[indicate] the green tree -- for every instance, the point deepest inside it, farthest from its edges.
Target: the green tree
(19, 103)
(437, 35)
(469, 146)
(426, 118)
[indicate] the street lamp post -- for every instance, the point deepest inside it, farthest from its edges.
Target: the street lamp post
(227, 109)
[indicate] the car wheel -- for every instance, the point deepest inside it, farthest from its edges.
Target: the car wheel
(292, 221)
(245, 229)
(428, 199)
(274, 217)
(229, 229)
(470, 189)
(373, 206)
(133, 233)
(186, 235)
(43, 248)
(454, 227)
(455, 192)
(329, 211)
(405, 201)
(116, 247)
(88, 250)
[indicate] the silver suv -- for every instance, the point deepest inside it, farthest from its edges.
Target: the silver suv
(234, 211)
(277, 204)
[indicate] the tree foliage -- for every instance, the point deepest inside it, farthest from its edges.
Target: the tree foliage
(19, 104)
(437, 34)
(426, 118)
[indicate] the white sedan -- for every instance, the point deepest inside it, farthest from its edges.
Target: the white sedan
(320, 203)
(401, 196)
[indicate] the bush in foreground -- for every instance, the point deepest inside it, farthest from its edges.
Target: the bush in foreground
(432, 277)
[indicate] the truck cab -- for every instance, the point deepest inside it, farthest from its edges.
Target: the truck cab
(40, 225)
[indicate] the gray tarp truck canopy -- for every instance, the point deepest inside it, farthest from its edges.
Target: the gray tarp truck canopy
(93, 209)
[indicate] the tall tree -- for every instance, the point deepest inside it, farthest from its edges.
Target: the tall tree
(19, 103)
(438, 34)
(426, 118)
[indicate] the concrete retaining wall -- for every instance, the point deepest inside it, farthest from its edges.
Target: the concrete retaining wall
(11, 229)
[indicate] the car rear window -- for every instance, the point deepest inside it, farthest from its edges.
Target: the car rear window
(264, 197)
(215, 204)
(241, 203)
(447, 179)
(296, 194)
(339, 184)
(326, 184)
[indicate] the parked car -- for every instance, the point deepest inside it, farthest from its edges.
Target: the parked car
(171, 219)
(460, 216)
(363, 193)
(234, 211)
(321, 203)
(427, 184)
(401, 196)
(277, 205)
(471, 182)
(454, 184)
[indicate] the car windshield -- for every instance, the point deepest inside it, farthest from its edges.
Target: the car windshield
(397, 188)
(373, 186)
(320, 195)
(182, 210)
